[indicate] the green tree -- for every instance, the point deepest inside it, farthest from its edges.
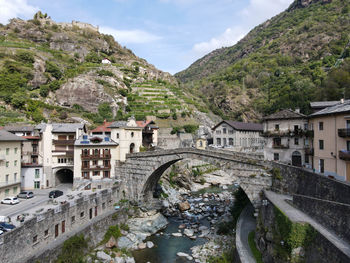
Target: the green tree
(105, 111)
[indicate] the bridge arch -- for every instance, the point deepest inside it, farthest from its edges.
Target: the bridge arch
(141, 171)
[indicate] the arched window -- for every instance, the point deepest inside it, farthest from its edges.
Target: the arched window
(132, 134)
(132, 147)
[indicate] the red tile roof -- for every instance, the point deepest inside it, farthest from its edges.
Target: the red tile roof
(143, 124)
(103, 127)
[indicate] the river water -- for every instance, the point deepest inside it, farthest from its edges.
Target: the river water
(167, 246)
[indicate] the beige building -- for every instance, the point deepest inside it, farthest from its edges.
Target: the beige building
(238, 136)
(10, 164)
(128, 135)
(201, 143)
(286, 138)
(94, 162)
(331, 142)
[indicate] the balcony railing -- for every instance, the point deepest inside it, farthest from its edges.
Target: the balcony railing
(97, 156)
(280, 146)
(344, 133)
(344, 155)
(96, 167)
(63, 142)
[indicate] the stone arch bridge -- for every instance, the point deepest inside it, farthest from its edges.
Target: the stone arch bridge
(139, 174)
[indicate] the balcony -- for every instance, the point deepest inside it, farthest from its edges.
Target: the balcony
(344, 133)
(31, 164)
(63, 142)
(280, 146)
(96, 167)
(344, 155)
(94, 157)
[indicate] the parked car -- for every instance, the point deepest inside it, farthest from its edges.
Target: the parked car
(11, 200)
(7, 226)
(1, 232)
(3, 229)
(25, 194)
(55, 193)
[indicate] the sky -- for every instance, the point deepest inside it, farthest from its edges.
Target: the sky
(170, 34)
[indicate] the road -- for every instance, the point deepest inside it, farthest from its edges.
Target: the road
(41, 196)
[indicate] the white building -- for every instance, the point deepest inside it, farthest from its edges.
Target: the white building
(238, 136)
(128, 135)
(285, 133)
(10, 164)
(106, 61)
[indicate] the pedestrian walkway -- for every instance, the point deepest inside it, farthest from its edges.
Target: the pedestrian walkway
(296, 215)
(246, 224)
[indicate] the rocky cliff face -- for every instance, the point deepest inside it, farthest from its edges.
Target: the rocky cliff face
(306, 3)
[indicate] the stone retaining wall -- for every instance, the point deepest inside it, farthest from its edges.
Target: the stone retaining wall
(46, 228)
(332, 215)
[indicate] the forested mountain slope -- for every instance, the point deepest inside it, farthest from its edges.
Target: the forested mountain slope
(297, 56)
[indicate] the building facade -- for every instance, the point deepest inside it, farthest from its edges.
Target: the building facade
(149, 133)
(331, 144)
(94, 162)
(10, 164)
(286, 134)
(128, 135)
(238, 136)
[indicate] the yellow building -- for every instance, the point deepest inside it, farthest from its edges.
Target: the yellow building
(331, 141)
(201, 143)
(10, 164)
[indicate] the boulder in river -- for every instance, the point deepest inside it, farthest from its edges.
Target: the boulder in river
(176, 234)
(112, 242)
(188, 232)
(184, 206)
(142, 245)
(149, 244)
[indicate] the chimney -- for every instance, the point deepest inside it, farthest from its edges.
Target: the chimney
(342, 101)
(297, 110)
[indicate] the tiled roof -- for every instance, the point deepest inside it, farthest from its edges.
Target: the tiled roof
(90, 140)
(67, 127)
(323, 104)
(285, 114)
(143, 124)
(8, 136)
(103, 127)
(118, 124)
(243, 126)
(19, 128)
(339, 108)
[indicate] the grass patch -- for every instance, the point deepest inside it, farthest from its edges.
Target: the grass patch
(73, 250)
(253, 248)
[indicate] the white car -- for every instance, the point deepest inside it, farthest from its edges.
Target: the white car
(10, 200)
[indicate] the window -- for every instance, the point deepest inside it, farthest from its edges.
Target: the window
(7, 151)
(63, 226)
(321, 165)
(218, 141)
(46, 232)
(82, 214)
(224, 130)
(86, 164)
(348, 124)
(230, 131)
(103, 205)
(320, 126)
(96, 152)
(218, 132)
(277, 127)
(37, 185)
(106, 174)
(296, 141)
(117, 135)
(276, 156)
(306, 158)
(296, 128)
(16, 150)
(14, 190)
(15, 177)
(132, 134)
(94, 162)
(348, 145)
(7, 164)
(106, 163)
(7, 192)
(85, 175)
(73, 219)
(321, 144)
(7, 178)
(276, 141)
(230, 141)
(96, 173)
(37, 173)
(15, 162)
(35, 239)
(225, 142)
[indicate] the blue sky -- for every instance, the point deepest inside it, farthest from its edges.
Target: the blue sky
(171, 34)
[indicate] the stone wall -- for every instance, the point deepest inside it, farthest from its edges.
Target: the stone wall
(295, 180)
(50, 226)
(332, 215)
(269, 240)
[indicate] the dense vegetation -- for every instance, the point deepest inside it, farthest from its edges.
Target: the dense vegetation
(301, 55)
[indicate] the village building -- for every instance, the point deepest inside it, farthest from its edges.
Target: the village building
(94, 162)
(149, 133)
(106, 61)
(238, 136)
(103, 129)
(31, 159)
(128, 135)
(286, 138)
(57, 148)
(331, 143)
(10, 164)
(320, 105)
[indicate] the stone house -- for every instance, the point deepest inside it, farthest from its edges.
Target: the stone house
(94, 162)
(331, 143)
(10, 164)
(31, 158)
(286, 138)
(149, 133)
(238, 136)
(128, 135)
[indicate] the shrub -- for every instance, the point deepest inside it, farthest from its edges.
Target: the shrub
(190, 128)
(175, 130)
(113, 231)
(174, 116)
(53, 69)
(25, 56)
(73, 250)
(44, 91)
(123, 92)
(104, 72)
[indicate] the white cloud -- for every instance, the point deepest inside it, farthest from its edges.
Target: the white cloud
(130, 36)
(15, 8)
(230, 37)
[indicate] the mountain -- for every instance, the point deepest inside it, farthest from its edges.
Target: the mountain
(300, 55)
(54, 71)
